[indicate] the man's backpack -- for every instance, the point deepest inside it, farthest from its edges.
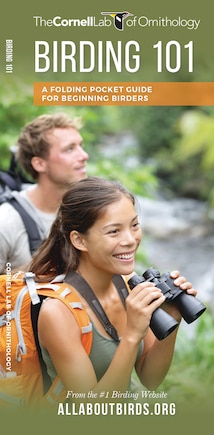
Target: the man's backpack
(14, 180)
(22, 380)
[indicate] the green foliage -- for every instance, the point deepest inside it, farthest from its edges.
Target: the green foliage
(195, 150)
(175, 154)
(191, 376)
(138, 180)
(189, 382)
(154, 127)
(197, 131)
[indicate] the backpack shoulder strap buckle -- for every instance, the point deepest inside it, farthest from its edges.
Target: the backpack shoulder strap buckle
(31, 284)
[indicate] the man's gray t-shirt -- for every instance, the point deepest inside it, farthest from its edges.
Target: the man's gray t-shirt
(14, 245)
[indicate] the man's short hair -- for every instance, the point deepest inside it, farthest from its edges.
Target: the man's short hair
(33, 142)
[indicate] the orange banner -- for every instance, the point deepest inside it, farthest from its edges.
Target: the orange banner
(124, 93)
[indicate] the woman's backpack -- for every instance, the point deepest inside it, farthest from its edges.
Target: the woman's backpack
(23, 377)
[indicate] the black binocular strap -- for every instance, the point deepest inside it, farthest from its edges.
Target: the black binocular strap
(86, 291)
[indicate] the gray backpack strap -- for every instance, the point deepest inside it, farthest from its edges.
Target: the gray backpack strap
(121, 288)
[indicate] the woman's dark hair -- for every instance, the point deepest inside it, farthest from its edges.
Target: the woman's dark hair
(80, 208)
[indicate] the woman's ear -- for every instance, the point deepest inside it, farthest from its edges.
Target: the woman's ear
(77, 240)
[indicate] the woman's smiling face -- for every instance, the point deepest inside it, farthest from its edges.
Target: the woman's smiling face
(111, 243)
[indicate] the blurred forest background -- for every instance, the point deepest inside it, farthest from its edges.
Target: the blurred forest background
(159, 153)
(174, 145)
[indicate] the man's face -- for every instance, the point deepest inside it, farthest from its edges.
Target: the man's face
(67, 159)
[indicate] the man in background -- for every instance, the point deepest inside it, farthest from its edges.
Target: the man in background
(50, 149)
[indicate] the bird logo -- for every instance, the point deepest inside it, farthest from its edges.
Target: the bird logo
(118, 17)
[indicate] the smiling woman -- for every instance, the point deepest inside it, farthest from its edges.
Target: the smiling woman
(95, 236)
(95, 214)
(115, 238)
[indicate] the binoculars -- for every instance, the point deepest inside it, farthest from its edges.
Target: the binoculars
(162, 324)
